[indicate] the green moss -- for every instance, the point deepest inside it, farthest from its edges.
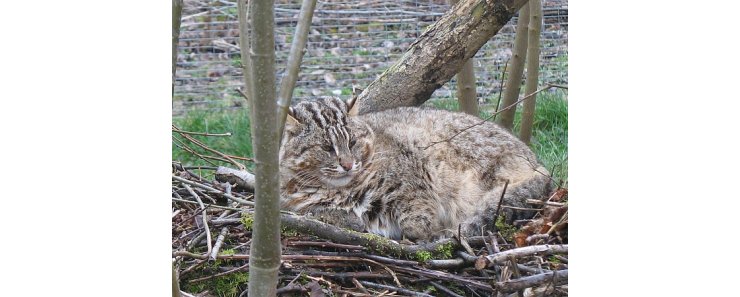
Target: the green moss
(247, 220)
(285, 231)
(227, 252)
(227, 285)
(506, 230)
(445, 250)
(423, 256)
(196, 287)
(380, 244)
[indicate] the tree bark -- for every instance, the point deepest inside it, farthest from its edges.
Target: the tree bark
(438, 54)
(533, 69)
(265, 248)
(243, 11)
(466, 93)
(176, 20)
(516, 68)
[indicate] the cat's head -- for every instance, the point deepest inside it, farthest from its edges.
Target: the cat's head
(324, 143)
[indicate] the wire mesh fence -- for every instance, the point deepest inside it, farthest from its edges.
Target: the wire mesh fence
(349, 43)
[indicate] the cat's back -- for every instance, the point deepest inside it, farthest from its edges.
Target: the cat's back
(455, 143)
(445, 134)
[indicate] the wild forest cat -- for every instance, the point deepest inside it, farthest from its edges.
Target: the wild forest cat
(407, 172)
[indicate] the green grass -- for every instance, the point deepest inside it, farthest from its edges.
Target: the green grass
(236, 122)
(550, 135)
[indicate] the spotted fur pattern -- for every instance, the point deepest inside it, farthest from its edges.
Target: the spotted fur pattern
(401, 173)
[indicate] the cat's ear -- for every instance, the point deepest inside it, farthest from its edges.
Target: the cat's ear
(291, 123)
(353, 109)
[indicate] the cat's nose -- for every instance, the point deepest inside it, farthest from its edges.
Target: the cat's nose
(346, 164)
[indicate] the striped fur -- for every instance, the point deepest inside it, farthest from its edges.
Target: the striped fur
(384, 169)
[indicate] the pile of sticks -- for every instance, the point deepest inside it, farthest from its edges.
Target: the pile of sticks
(212, 211)
(211, 238)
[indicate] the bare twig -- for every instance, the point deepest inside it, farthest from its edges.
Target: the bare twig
(392, 288)
(557, 277)
(502, 257)
(445, 289)
(500, 90)
(445, 276)
(515, 272)
(200, 133)
(204, 216)
(359, 286)
(500, 201)
(243, 267)
(547, 203)
(294, 60)
(202, 186)
(182, 146)
(219, 242)
(210, 205)
(200, 144)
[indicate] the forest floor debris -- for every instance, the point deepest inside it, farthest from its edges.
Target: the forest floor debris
(211, 235)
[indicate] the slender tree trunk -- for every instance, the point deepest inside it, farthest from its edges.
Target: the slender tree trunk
(294, 59)
(243, 11)
(176, 20)
(533, 69)
(264, 258)
(466, 93)
(516, 68)
(438, 54)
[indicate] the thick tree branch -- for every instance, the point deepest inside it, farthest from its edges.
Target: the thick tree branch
(438, 54)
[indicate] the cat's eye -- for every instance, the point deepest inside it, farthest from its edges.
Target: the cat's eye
(352, 143)
(327, 148)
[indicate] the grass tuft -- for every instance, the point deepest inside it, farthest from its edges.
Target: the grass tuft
(238, 144)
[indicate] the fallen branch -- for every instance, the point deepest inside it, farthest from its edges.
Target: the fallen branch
(241, 178)
(373, 242)
(503, 257)
(556, 277)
